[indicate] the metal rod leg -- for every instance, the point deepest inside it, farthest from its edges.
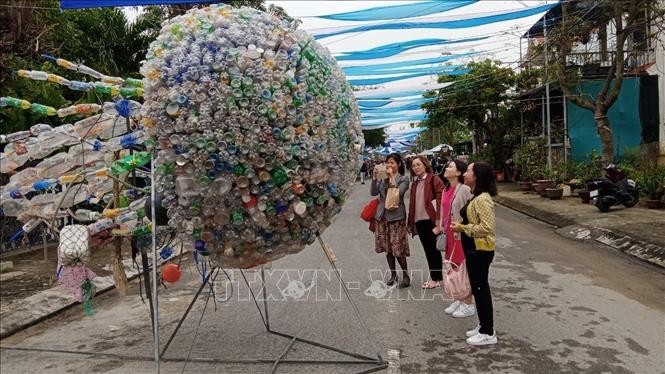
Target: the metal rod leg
(281, 357)
(189, 308)
(254, 298)
(265, 297)
(348, 296)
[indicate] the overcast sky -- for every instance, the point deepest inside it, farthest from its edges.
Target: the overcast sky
(503, 42)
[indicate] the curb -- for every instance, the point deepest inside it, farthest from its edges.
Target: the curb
(24, 313)
(651, 253)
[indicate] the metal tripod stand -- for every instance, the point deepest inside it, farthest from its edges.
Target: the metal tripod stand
(376, 363)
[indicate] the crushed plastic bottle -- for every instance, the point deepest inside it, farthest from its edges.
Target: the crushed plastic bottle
(256, 133)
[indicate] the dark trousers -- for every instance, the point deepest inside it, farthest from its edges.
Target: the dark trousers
(478, 267)
(428, 240)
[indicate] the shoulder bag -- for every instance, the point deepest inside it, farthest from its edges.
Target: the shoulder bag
(456, 283)
(441, 239)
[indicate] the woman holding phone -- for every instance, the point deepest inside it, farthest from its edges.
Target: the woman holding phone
(390, 235)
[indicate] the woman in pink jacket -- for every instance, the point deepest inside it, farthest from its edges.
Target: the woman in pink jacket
(455, 195)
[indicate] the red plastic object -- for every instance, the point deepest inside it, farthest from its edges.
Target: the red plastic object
(171, 273)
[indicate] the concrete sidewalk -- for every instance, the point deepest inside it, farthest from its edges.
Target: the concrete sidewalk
(636, 231)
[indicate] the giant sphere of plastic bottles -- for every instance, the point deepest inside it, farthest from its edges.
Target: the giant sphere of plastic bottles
(257, 133)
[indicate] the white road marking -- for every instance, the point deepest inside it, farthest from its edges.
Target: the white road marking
(394, 366)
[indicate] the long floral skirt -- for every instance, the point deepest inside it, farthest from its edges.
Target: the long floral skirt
(391, 237)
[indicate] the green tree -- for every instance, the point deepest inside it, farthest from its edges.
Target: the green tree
(374, 138)
(478, 100)
(100, 38)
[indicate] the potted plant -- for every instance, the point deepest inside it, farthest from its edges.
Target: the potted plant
(554, 191)
(529, 159)
(652, 184)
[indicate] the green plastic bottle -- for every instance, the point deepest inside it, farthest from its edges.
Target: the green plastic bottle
(130, 162)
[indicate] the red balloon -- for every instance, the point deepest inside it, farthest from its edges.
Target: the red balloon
(171, 273)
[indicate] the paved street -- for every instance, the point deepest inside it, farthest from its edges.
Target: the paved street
(561, 306)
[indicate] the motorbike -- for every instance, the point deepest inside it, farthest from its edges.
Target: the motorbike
(612, 190)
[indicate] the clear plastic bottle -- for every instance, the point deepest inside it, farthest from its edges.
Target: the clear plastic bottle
(125, 141)
(100, 225)
(86, 215)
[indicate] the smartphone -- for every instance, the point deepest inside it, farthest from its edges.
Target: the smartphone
(381, 171)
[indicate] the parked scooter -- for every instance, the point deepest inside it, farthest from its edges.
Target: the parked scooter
(612, 190)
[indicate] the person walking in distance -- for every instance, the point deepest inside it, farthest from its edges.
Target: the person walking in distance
(423, 216)
(455, 196)
(478, 229)
(390, 235)
(363, 172)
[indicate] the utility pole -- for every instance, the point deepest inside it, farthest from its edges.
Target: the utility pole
(547, 98)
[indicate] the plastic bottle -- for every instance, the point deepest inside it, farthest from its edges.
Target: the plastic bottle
(255, 213)
(78, 109)
(105, 89)
(13, 207)
(40, 128)
(130, 162)
(100, 225)
(86, 215)
(125, 141)
(57, 79)
(14, 102)
(44, 184)
(134, 82)
(33, 74)
(103, 125)
(111, 80)
(123, 108)
(32, 224)
(16, 136)
(131, 91)
(89, 71)
(43, 109)
(79, 86)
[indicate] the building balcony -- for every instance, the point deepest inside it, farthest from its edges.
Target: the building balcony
(635, 61)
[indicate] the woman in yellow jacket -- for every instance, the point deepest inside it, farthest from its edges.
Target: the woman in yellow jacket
(478, 230)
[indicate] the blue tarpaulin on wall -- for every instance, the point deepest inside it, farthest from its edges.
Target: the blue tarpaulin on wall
(624, 118)
(79, 4)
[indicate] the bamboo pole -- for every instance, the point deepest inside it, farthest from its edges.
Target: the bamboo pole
(119, 275)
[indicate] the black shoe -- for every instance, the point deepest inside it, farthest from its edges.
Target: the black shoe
(392, 280)
(406, 282)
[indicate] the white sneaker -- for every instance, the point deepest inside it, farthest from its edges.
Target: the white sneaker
(473, 332)
(464, 310)
(482, 339)
(453, 307)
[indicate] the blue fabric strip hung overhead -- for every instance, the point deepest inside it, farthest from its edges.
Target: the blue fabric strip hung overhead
(362, 69)
(373, 103)
(392, 95)
(389, 50)
(411, 106)
(398, 11)
(373, 81)
(79, 4)
(429, 69)
(450, 24)
(370, 105)
(380, 115)
(376, 127)
(381, 121)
